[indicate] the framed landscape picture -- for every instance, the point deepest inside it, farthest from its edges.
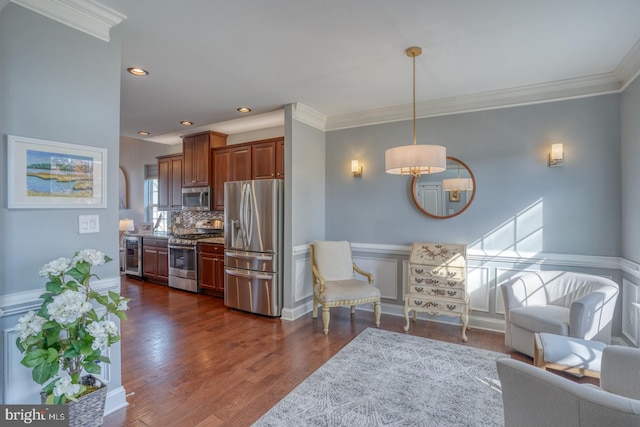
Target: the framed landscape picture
(53, 175)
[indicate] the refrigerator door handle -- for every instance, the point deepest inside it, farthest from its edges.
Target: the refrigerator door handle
(248, 220)
(242, 216)
(251, 275)
(250, 256)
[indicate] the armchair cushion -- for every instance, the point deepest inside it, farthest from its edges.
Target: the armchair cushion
(621, 371)
(545, 318)
(346, 290)
(333, 259)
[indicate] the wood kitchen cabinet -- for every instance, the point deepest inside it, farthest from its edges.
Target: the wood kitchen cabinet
(231, 163)
(155, 260)
(170, 182)
(280, 158)
(211, 268)
(196, 158)
(262, 159)
(263, 165)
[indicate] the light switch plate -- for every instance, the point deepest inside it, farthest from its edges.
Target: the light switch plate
(88, 224)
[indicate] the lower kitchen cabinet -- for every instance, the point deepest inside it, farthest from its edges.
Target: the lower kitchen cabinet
(211, 268)
(155, 260)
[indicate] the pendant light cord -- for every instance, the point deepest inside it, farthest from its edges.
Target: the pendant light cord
(414, 99)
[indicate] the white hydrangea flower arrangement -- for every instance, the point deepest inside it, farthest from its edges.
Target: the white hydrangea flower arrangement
(66, 338)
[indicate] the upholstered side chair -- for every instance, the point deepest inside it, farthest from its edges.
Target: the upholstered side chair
(335, 283)
(534, 397)
(557, 302)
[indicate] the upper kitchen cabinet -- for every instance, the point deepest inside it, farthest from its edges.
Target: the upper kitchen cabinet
(170, 182)
(231, 163)
(280, 158)
(197, 168)
(267, 159)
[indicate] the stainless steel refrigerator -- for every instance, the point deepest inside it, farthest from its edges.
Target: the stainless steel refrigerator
(253, 241)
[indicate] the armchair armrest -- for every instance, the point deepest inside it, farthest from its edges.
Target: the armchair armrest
(620, 371)
(317, 277)
(369, 276)
(585, 315)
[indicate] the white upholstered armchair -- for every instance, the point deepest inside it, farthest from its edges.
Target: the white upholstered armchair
(557, 302)
(534, 397)
(335, 283)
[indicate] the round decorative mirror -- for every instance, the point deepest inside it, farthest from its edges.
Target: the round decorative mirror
(445, 194)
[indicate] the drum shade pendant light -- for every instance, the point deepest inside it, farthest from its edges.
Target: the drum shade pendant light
(415, 159)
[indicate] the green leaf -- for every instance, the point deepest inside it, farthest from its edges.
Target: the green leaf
(34, 358)
(50, 400)
(72, 285)
(103, 300)
(92, 368)
(86, 349)
(114, 296)
(104, 359)
(53, 355)
(44, 372)
(44, 312)
(55, 288)
(121, 315)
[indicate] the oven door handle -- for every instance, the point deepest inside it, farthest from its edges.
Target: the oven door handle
(192, 247)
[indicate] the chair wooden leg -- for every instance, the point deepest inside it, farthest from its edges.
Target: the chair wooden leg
(538, 352)
(353, 309)
(315, 308)
(325, 318)
(376, 312)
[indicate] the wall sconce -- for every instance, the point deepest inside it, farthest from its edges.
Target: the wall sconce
(556, 155)
(356, 168)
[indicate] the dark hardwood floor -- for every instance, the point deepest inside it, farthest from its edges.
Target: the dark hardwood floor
(187, 360)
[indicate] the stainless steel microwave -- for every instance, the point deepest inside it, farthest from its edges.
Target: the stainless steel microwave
(196, 198)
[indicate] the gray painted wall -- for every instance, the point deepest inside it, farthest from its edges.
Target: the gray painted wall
(630, 125)
(134, 155)
(520, 204)
(304, 217)
(62, 85)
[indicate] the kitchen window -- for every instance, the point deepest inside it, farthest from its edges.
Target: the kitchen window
(152, 214)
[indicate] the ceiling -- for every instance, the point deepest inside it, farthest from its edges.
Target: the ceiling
(345, 61)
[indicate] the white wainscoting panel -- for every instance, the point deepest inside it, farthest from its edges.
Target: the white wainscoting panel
(19, 387)
(478, 287)
(405, 278)
(384, 273)
(630, 311)
(303, 283)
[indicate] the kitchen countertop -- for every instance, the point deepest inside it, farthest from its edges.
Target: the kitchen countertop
(218, 240)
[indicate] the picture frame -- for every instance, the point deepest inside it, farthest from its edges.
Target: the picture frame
(454, 196)
(46, 174)
(145, 228)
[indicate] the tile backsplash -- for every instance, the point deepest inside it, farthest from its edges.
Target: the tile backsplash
(187, 219)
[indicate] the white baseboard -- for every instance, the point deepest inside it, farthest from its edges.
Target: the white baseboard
(116, 399)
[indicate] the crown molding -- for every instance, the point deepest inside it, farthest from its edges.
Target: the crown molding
(87, 16)
(598, 84)
(629, 68)
(311, 117)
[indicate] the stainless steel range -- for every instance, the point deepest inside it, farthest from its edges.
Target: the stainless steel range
(183, 259)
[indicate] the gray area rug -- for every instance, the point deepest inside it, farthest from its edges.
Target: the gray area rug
(385, 378)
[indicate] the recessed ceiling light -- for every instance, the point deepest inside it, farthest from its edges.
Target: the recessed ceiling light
(244, 109)
(137, 71)
(186, 123)
(143, 132)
